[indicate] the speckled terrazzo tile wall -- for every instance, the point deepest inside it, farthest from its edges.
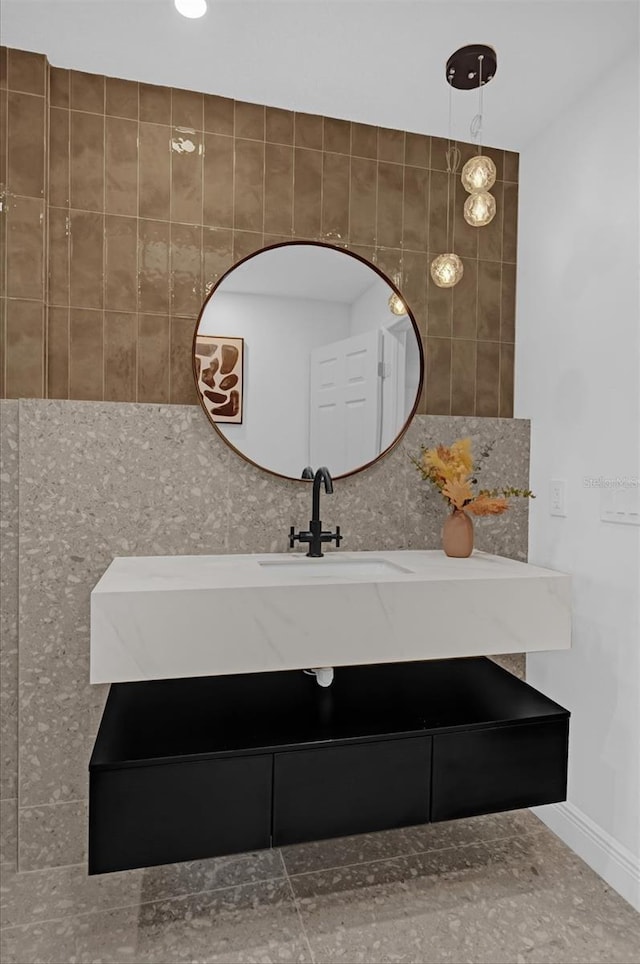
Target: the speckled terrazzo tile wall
(8, 629)
(139, 197)
(103, 479)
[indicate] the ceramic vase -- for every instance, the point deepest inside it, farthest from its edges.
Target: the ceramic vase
(457, 534)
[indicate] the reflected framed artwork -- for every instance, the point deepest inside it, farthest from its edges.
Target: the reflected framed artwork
(219, 366)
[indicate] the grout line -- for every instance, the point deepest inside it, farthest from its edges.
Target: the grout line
(297, 909)
(143, 903)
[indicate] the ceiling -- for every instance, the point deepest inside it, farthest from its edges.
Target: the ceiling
(374, 61)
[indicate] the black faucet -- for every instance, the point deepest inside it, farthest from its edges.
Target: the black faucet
(315, 536)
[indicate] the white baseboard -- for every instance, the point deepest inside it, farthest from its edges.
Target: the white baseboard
(612, 861)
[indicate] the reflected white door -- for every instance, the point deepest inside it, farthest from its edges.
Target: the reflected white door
(344, 421)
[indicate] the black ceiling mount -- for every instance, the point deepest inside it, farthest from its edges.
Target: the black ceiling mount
(463, 67)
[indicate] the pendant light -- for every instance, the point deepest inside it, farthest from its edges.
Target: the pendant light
(479, 173)
(447, 269)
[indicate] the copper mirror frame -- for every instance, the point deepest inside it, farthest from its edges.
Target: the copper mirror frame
(392, 286)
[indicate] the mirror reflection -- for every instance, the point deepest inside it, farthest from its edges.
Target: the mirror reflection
(305, 355)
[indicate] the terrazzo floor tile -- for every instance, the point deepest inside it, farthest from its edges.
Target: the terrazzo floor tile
(59, 892)
(252, 923)
(511, 901)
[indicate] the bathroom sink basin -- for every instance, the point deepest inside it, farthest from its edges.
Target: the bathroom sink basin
(167, 617)
(322, 568)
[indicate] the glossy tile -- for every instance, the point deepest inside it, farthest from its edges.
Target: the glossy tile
(463, 376)
(153, 266)
(248, 189)
(3, 67)
(87, 161)
(307, 193)
(59, 143)
(308, 131)
(362, 201)
(218, 114)
(278, 189)
(439, 310)
(511, 165)
(439, 242)
(121, 98)
(489, 291)
(245, 243)
(417, 150)
(364, 140)
(154, 171)
(87, 92)
(466, 238)
(155, 104)
(86, 259)
(186, 269)
(336, 175)
(86, 337)
(490, 236)
(121, 240)
(510, 218)
(187, 108)
(389, 204)
(121, 166)
(465, 302)
(508, 303)
(415, 271)
(154, 347)
(182, 390)
(507, 366)
(218, 180)
(25, 144)
(57, 352)
(25, 349)
(415, 216)
(438, 375)
(249, 121)
(59, 87)
(337, 135)
(25, 247)
(58, 243)
(26, 72)
(217, 255)
(487, 378)
(186, 176)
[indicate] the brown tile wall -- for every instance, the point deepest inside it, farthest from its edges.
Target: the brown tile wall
(125, 202)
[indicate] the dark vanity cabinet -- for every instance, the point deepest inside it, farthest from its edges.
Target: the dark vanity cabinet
(194, 768)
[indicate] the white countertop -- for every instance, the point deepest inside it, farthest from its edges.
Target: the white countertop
(161, 617)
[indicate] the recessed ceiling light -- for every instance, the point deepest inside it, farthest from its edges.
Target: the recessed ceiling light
(191, 8)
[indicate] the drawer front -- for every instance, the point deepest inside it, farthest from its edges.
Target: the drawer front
(350, 789)
(160, 814)
(502, 768)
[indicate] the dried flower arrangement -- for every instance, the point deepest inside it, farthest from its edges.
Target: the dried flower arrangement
(451, 469)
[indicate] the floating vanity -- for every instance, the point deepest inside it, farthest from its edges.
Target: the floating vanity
(214, 742)
(168, 617)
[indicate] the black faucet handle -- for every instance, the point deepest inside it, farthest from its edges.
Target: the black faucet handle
(292, 537)
(338, 537)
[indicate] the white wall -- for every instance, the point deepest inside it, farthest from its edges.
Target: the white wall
(578, 379)
(275, 428)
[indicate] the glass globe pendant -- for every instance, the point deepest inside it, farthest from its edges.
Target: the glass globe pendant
(479, 209)
(478, 174)
(396, 304)
(447, 270)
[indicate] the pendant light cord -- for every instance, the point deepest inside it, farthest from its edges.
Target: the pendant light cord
(476, 123)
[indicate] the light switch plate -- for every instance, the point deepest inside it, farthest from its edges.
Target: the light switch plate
(621, 505)
(558, 497)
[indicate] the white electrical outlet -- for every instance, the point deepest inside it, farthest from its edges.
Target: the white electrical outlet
(558, 497)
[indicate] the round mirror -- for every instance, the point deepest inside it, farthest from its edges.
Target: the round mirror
(305, 355)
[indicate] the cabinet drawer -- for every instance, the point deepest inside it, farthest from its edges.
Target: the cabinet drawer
(350, 789)
(162, 813)
(501, 768)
